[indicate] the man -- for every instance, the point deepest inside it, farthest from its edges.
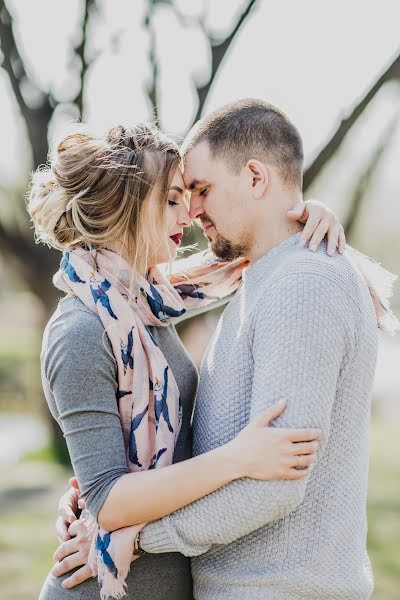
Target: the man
(301, 328)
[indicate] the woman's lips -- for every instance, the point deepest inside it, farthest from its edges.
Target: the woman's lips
(177, 238)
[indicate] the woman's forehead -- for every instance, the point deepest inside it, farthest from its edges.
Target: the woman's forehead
(177, 179)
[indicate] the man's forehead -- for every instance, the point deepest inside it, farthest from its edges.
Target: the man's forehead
(197, 168)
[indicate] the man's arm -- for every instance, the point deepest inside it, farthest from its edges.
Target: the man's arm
(303, 334)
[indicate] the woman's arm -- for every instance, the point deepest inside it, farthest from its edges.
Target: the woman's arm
(259, 452)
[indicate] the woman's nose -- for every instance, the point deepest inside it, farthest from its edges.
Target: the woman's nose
(184, 217)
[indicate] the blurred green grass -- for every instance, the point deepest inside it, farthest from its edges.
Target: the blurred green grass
(21, 344)
(28, 509)
(384, 509)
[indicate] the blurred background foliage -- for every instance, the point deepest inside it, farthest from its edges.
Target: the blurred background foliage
(335, 70)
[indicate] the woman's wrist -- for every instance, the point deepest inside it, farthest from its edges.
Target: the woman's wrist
(230, 464)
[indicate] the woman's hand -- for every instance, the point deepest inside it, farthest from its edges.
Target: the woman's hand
(319, 221)
(68, 510)
(73, 553)
(75, 541)
(264, 452)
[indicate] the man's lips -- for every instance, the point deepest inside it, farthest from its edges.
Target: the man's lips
(177, 238)
(207, 226)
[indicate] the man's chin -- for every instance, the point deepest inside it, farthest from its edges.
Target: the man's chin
(218, 250)
(226, 250)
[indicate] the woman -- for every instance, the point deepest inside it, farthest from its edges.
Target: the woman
(116, 207)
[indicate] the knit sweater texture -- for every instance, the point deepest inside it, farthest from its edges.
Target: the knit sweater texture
(301, 328)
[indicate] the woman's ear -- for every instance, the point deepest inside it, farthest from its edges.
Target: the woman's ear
(259, 177)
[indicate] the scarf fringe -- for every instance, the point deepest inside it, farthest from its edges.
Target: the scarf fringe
(380, 283)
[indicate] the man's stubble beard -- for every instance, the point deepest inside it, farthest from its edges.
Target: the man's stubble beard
(221, 246)
(227, 250)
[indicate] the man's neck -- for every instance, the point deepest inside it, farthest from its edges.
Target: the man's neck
(273, 228)
(262, 245)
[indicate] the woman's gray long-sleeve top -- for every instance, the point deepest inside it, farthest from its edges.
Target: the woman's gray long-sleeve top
(80, 384)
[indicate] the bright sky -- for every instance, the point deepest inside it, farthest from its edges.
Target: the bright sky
(311, 58)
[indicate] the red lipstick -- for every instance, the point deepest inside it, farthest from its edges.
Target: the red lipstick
(177, 238)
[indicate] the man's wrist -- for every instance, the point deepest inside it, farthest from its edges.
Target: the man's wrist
(155, 539)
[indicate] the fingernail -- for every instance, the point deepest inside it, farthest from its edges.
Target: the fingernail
(302, 242)
(330, 252)
(313, 247)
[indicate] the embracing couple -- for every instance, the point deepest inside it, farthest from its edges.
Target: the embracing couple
(268, 499)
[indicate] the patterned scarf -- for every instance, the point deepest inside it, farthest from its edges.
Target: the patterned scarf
(148, 395)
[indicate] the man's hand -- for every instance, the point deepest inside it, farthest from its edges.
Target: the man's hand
(73, 553)
(319, 221)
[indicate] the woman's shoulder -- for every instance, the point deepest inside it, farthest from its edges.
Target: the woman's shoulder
(75, 334)
(73, 318)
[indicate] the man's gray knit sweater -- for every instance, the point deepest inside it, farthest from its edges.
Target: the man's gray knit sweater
(301, 328)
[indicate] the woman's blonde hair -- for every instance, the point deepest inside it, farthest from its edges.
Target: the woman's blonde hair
(96, 192)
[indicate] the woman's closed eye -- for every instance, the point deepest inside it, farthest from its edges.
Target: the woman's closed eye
(172, 202)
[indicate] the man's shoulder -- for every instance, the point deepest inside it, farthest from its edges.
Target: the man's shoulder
(314, 279)
(317, 267)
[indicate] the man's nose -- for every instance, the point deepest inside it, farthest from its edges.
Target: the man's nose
(195, 207)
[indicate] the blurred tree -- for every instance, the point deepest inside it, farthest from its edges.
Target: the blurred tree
(34, 263)
(364, 182)
(332, 145)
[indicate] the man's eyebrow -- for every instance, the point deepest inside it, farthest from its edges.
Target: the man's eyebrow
(196, 183)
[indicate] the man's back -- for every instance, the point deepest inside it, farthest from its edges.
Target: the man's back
(301, 328)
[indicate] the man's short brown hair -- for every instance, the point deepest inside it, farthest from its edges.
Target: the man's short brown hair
(252, 128)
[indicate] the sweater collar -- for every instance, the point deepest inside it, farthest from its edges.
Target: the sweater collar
(263, 265)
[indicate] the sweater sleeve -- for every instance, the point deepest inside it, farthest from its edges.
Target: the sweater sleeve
(81, 374)
(303, 335)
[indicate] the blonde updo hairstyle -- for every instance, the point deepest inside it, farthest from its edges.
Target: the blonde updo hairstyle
(96, 192)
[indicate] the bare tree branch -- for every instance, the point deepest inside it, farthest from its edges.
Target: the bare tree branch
(218, 51)
(364, 182)
(12, 62)
(152, 87)
(36, 119)
(392, 72)
(80, 51)
(33, 262)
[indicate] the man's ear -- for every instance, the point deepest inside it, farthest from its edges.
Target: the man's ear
(258, 173)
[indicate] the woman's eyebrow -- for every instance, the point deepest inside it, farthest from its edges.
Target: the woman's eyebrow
(176, 188)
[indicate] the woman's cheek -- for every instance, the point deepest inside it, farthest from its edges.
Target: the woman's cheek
(171, 218)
